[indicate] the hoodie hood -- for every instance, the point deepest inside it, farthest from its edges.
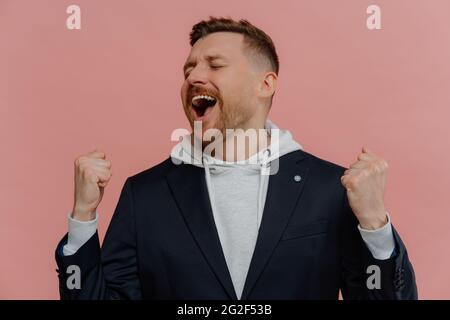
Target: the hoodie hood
(281, 143)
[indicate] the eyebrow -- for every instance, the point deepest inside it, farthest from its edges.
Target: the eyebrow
(209, 58)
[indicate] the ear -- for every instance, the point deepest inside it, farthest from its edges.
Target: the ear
(268, 84)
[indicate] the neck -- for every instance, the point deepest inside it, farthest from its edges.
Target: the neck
(238, 144)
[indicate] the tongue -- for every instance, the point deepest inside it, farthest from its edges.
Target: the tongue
(204, 111)
(202, 106)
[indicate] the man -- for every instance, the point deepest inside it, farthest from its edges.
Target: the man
(259, 220)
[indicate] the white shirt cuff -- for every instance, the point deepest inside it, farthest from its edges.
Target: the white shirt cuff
(380, 241)
(79, 233)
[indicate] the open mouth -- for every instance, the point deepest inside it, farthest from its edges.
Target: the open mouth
(202, 104)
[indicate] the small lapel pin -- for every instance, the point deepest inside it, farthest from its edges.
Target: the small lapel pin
(297, 178)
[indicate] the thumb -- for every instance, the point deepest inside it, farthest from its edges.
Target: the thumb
(366, 150)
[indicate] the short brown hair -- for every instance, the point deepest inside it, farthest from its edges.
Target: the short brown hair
(254, 37)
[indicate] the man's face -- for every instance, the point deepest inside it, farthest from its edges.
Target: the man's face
(219, 86)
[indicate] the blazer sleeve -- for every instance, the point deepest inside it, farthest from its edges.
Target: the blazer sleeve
(397, 279)
(110, 272)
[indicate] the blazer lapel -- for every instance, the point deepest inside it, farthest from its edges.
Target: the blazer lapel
(283, 194)
(188, 185)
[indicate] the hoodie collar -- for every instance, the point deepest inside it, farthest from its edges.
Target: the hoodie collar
(282, 143)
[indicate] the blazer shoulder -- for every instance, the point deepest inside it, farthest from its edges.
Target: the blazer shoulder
(323, 165)
(156, 173)
(325, 174)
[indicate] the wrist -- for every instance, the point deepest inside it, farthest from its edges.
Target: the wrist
(374, 222)
(83, 214)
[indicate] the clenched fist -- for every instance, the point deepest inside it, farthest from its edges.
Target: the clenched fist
(365, 182)
(92, 174)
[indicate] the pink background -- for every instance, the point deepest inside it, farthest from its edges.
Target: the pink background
(115, 85)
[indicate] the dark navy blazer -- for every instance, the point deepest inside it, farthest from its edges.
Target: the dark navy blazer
(162, 242)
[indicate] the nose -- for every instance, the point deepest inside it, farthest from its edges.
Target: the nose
(198, 75)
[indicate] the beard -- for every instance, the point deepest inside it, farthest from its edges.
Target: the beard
(228, 116)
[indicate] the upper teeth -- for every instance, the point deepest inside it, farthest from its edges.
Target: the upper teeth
(203, 97)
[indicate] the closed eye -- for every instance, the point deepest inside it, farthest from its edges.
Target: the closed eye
(214, 67)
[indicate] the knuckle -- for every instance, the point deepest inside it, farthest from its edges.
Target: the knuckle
(78, 161)
(351, 181)
(98, 154)
(83, 167)
(82, 160)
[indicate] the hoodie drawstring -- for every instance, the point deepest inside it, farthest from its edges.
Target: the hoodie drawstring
(208, 183)
(264, 174)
